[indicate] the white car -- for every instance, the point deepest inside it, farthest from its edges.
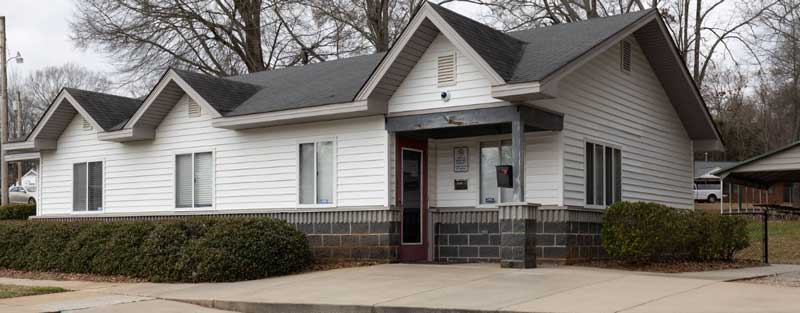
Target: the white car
(708, 190)
(21, 194)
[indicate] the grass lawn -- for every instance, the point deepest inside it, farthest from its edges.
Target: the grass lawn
(12, 291)
(784, 242)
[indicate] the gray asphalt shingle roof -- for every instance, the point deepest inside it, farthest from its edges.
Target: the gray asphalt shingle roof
(109, 111)
(519, 56)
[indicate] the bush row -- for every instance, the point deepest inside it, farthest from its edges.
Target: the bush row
(185, 250)
(645, 232)
(17, 211)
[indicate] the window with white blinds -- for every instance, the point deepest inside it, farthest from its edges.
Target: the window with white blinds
(193, 180)
(316, 172)
(87, 186)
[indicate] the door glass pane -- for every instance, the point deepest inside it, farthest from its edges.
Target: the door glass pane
(183, 181)
(506, 156)
(79, 187)
(307, 173)
(609, 176)
(202, 179)
(412, 196)
(325, 172)
(95, 186)
(598, 175)
(589, 163)
(490, 158)
(617, 175)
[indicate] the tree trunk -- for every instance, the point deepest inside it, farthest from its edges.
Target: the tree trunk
(250, 11)
(698, 22)
(378, 21)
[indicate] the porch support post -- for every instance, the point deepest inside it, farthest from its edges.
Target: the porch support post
(517, 235)
(518, 158)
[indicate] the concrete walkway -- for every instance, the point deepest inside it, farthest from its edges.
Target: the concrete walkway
(450, 288)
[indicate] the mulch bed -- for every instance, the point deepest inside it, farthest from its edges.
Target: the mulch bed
(671, 266)
(8, 273)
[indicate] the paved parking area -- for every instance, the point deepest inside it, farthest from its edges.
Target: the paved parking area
(450, 288)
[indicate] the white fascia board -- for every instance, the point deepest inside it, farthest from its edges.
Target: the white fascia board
(347, 109)
(62, 96)
(23, 157)
(127, 134)
(427, 12)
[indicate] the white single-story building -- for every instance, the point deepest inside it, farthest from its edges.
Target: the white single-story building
(394, 156)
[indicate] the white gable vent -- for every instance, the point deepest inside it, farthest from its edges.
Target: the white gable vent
(625, 56)
(446, 69)
(193, 107)
(85, 123)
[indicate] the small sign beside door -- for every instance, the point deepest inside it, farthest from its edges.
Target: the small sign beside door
(460, 184)
(461, 159)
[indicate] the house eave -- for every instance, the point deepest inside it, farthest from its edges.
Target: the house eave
(127, 134)
(33, 145)
(516, 92)
(302, 115)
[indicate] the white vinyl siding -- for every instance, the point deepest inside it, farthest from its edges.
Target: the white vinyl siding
(253, 169)
(316, 162)
(87, 186)
(602, 104)
(193, 180)
(421, 89)
(542, 171)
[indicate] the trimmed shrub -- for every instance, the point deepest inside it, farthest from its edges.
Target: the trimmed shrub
(17, 211)
(646, 232)
(180, 250)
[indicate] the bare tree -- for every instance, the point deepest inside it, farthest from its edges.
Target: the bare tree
(378, 22)
(217, 37)
(30, 96)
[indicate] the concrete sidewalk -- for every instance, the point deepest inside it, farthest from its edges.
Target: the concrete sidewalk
(459, 288)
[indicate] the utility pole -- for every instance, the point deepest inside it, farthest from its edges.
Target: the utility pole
(3, 114)
(18, 132)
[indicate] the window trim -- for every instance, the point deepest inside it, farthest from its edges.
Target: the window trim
(605, 145)
(498, 142)
(72, 188)
(334, 179)
(175, 155)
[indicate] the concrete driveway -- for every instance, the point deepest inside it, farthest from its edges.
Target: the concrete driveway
(450, 288)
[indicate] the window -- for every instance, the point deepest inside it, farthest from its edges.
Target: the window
(625, 56)
(316, 172)
(492, 155)
(87, 186)
(193, 180)
(603, 174)
(446, 69)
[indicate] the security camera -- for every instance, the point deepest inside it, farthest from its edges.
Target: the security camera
(445, 95)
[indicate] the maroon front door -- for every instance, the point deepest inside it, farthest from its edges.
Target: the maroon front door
(412, 198)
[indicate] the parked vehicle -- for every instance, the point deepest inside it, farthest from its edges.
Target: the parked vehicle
(708, 190)
(22, 194)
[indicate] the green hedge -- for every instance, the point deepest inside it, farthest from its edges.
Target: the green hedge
(17, 211)
(181, 250)
(645, 232)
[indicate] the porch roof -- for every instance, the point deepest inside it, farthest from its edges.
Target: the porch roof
(475, 122)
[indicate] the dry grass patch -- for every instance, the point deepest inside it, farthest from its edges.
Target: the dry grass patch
(784, 242)
(13, 291)
(672, 266)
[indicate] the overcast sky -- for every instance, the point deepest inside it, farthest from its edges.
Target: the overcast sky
(39, 30)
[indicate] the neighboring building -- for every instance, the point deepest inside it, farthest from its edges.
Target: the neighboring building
(29, 179)
(771, 178)
(393, 156)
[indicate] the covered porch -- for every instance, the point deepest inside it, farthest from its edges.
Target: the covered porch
(468, 168)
